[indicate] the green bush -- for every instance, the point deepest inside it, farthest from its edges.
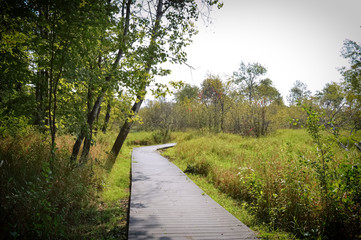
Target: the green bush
(11, 125)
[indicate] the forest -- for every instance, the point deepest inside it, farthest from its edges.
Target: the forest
(74, 77)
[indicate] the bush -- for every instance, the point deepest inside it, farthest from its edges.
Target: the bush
(11, 125)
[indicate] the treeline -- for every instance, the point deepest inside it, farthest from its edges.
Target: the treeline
(249, 105)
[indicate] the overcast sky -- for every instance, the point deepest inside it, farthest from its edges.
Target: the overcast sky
(293, 39)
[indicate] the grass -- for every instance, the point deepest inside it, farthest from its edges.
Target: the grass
(108, 218)
(63, 202)
(269, 183)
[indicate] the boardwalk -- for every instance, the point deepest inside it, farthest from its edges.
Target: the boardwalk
(166, 205)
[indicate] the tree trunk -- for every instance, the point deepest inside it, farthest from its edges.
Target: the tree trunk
(40, 91)
(76, 147)
(92, 115)
(127, 125)
(96, 107)
(222, 116)
(86, 149)
(107, 117)
(124, 131)
(126, 128)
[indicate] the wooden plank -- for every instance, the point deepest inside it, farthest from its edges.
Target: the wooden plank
(165, 204)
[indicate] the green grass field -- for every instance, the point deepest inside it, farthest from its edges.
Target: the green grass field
(270, 183)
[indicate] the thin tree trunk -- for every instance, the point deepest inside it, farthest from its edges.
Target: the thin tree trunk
(124, 131)
(128, 124)
(222, 115)
(76, 147)
(107, 117)
(96, 107)
(86, 149)
(89, 133)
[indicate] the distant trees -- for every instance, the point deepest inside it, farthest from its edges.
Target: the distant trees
(251, 106)
(187, 93)
(298, 92)
(225, 106)
(247, 78)
(212, 96)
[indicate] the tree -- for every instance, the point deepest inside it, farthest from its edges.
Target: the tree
(166, 39)
(247, 76)
(15, 75)
(352, 76)
(60, 55)
(187, 92)
(266, 92)
(352, 84)
(212, 96)
(102, 73)
(331, 96)
(298, 92)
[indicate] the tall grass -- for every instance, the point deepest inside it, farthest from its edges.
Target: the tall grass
(273, 177)
(39, 201)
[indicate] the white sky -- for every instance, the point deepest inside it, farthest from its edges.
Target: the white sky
(293, 39)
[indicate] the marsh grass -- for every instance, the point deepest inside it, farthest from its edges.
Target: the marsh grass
(271, 177)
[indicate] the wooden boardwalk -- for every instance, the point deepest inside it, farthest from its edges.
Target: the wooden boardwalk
(166, 205)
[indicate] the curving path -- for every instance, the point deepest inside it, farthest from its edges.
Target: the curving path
(166, 205)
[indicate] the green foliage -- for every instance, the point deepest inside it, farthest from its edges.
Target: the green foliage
(352, 52)
(11, 125)
(338, 185)
(187, 93)
(64, 203)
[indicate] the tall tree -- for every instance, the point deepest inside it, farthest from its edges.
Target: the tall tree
(104, 80)
(15, 74)
(247, 77)
(352, 75)
(167, 40)
(352, 84)
(187, 92)
(298, 92)
(266, 92)
(212, 96)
